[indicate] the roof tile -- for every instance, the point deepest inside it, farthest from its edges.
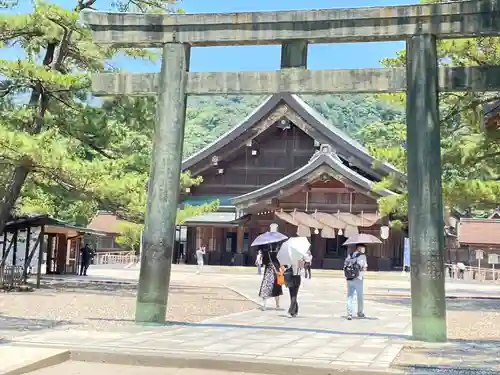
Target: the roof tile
(479, 232)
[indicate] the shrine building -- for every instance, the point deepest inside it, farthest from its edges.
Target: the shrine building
(286, 164)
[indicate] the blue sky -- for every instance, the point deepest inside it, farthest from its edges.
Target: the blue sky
(321, 56)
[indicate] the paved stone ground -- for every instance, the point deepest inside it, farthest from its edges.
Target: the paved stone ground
(84, 368)
(82, 305)
(319, 336)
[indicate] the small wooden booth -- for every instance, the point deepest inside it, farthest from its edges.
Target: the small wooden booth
(40, 244)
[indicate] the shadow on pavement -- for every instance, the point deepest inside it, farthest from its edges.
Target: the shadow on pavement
(265, 327)
(468, 355)
(20, 324)
(121, 289)
(453, 304)
(466, 292)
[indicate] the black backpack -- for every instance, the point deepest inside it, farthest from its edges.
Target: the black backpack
(351, 267)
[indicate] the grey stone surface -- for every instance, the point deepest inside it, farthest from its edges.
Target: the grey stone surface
(319, 335)
(449, 20)
(297, 81)
(164, 185)
(294, 55)
(425, 202)
(20, 360)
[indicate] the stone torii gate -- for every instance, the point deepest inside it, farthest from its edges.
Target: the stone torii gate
(422, 79)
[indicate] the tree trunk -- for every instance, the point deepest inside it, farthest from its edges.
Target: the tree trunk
(11, 193)
(15, 183)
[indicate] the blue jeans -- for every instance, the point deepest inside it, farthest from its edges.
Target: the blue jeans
(355, 286)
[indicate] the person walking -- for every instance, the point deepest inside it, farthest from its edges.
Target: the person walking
(258, 262)
(354, 267)
(199, 258)
(86, 256)
(271, 285)
(292, 282)
(461, 270)
(307, 264)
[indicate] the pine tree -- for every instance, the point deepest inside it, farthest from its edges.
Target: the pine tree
(59, 154)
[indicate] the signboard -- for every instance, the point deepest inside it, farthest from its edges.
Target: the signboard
(479, 254)
(493, 259)
(406, 253)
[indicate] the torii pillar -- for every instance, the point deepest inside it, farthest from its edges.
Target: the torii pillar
(163, 189)
(425, 201)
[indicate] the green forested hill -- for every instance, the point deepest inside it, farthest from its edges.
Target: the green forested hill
(210, 117)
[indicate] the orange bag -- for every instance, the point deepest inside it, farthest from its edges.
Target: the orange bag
(280, 276)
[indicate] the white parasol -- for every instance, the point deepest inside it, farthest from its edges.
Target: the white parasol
(362, 238)
(293, 250)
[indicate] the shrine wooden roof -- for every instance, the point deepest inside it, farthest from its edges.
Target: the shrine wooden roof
(480, 232)
(303, 116)
(325, 161)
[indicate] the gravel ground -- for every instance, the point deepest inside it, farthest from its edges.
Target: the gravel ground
(473, 334)
(107, 306)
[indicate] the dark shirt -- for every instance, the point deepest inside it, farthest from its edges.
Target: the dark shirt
(87, 254)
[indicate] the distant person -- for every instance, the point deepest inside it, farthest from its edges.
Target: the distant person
(199, 258)
(181, 254)
(354, 267)
(461, 270)
(86, 256)
(307, 264)
(258, 262)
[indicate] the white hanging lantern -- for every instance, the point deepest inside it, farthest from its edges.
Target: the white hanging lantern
(384, 232)
(340, 233)
(316, 231)
(452, 222)
(273, 227)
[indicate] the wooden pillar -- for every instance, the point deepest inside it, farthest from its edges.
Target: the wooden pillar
(14, 257)
(4, 245)
(27, 255)
(163, 189)
(62, 251)
(425, 205)
(41, 252)
(14, 249)
(240, 238)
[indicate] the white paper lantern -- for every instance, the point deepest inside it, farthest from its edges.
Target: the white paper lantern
(273, 227)
(384, 232)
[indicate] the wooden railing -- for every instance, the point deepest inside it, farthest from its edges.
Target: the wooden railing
(11, 276)
(115, 259)
(474, 273)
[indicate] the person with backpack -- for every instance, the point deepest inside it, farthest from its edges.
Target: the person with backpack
(354, 267)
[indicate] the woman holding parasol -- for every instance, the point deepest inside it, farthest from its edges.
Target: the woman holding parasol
(272, 281)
